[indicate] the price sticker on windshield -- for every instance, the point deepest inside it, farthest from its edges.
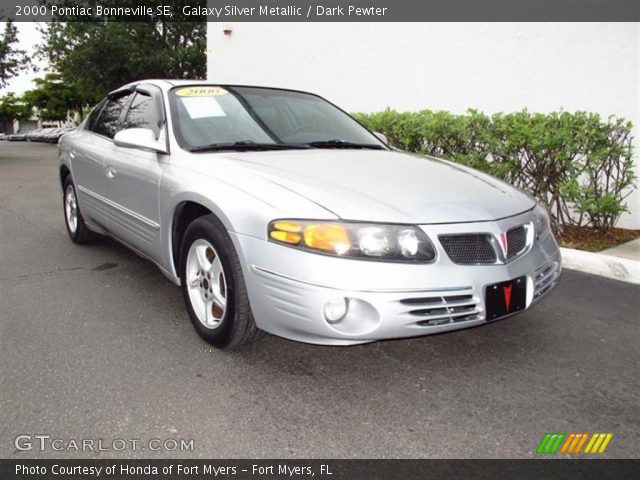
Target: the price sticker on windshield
(202, 107)
(201, 92)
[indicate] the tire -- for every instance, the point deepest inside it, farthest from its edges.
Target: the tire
(78, 231)
(213, 286)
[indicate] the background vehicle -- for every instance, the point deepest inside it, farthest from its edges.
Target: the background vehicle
(54, 136)
(18, 137)
(274, 210)
(46, 136)
(40, 136)
(34, 134)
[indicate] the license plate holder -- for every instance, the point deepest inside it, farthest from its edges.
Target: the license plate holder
(505, 298)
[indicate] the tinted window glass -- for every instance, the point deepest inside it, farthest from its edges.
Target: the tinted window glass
(142, 114)
(209, 114)
(93, 116)
(107, 123)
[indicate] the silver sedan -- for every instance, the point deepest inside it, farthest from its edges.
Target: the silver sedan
(277, 212)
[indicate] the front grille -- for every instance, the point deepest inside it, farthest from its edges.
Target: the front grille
(440, 310)
(469, 248)
(516, 241)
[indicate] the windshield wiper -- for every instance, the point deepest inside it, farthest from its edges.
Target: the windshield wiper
(342, 144)
(246, 145)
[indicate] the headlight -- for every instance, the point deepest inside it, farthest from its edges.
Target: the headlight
(365, 241)
(541, 221)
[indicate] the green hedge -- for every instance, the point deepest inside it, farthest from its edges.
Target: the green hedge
(577, 164)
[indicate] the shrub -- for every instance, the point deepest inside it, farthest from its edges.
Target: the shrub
(577, 165)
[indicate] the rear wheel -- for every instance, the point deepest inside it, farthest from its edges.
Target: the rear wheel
(76, 228)
(213, 286)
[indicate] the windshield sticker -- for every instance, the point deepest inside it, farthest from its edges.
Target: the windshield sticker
(202, 107)
(201, 92)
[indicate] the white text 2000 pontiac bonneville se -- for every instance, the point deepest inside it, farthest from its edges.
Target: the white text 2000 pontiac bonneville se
(276, 211)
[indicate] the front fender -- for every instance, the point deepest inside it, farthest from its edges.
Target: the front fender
(245, 207)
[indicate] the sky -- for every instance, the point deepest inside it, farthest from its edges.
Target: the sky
(28, 38)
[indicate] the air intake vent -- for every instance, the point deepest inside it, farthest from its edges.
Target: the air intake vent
(440, 310)
(516, 241)
(547, 277)
(469, 249)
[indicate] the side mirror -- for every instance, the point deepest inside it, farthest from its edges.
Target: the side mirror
(382, 137)
(142, 138)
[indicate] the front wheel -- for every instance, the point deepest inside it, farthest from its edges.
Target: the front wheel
(213, 286)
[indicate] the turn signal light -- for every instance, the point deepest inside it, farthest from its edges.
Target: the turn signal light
(286, 237)
(283, 226)
(328, 237)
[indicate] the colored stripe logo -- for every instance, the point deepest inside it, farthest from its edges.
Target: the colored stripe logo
(550, 442)
(574, 442)
(598, 443)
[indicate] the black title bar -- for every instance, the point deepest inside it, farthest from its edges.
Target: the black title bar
(322, 11)
(317, 469)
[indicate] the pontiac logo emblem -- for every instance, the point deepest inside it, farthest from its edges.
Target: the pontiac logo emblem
(504, 243)
(507, 296)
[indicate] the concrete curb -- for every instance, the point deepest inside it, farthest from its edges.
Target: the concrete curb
(608, 266)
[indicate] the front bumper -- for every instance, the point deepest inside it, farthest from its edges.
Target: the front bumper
(289, 288)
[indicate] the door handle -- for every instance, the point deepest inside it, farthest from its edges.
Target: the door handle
(111, 173)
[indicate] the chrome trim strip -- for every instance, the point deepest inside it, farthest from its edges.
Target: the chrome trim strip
(481, 221)
(140, 218)
(258, 269)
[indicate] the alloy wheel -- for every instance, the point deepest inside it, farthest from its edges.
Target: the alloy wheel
(206, 283)
(71, 209)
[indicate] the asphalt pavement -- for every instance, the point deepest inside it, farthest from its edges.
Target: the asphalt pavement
(95, 344)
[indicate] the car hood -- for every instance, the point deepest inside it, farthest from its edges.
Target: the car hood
(387, 186)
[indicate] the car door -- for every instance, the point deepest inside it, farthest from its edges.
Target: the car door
(133, 177)
(86, 167)
(87, 158)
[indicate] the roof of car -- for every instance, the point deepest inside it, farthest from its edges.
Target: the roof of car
(162, 83)
(167, 84)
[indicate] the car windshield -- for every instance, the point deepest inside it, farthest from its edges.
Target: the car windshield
(220, 118)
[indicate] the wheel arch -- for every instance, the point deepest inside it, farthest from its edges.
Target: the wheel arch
(184, 213)
(64, 172)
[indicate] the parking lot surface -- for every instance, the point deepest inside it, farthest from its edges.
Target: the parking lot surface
(95, 344)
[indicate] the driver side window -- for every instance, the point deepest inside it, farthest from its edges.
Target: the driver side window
(93, 116)
(142, 114)
(108, 121)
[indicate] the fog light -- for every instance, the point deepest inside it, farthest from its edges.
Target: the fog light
(336, 309)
